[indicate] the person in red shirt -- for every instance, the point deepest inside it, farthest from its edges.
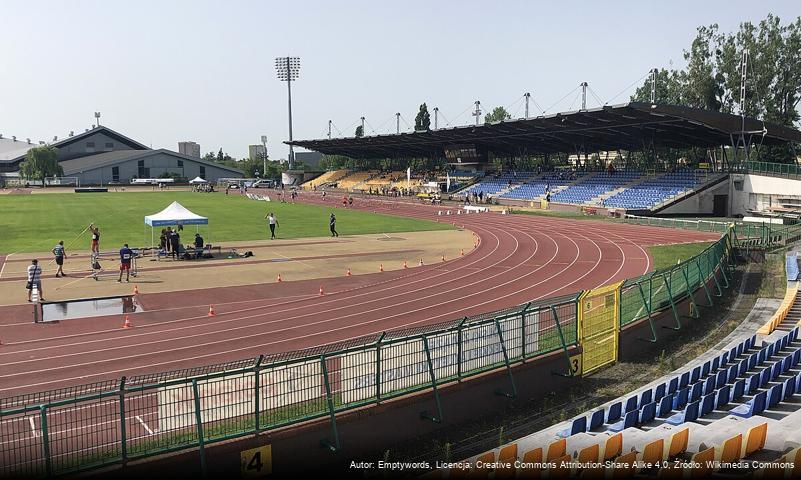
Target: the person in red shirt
(345, 201)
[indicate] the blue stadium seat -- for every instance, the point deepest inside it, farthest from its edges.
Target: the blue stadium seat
(738, 390)
(660, 389)
(685, 379)
(696, 374)
(596, 419)
(774, 395)
(743, 367)
(732, 377)
(614, 412)
(707, 404)
(579, 425)
(755, 406)
(789, 387)
(796, 357)
(705, 369)
(648, 412)
(665, 406)
(681, 398)
(721, 378)
(628, 421)
(631, 404)
(646, 397)
(709, 386)
(689, 414)
(695, 391)
(723, 397)
(673, 385)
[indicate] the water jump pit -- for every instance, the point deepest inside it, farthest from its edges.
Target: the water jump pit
(89, 307)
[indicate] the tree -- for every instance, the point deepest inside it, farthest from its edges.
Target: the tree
(41, 162)
(359, 131)
(496, 115)
(422, 122)
(210, 157)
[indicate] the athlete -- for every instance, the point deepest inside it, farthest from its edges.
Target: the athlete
(95, 238)
(126, 255)
(58, 255)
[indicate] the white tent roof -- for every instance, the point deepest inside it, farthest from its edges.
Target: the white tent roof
(175, 214)
(197, 180)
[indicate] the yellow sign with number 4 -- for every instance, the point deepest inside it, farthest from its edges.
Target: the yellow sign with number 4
(257, 462)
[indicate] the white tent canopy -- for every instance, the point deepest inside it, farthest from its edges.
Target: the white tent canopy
(197, 180)
(174, 214)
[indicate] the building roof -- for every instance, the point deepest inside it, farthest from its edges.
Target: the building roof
(9, 154)
(629, 126)
(78, 165)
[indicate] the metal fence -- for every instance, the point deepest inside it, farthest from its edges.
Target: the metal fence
(79, 428)
(789, 170)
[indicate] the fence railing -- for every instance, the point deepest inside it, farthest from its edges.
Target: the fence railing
(788, 170)
(110, 422)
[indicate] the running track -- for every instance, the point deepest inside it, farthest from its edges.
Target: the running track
(519, 258)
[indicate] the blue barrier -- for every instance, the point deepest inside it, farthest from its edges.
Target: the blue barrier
(792, 267)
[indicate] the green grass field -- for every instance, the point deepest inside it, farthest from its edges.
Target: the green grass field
(667, 255)
(34, 223)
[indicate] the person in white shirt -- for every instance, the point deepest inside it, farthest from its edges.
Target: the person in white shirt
(273, 223)
(34, 279)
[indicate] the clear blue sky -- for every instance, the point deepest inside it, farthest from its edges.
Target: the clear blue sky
(166, 71)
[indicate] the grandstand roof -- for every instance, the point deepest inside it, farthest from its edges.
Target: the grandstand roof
(628, 126)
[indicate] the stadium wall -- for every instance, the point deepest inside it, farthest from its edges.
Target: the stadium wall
(158, 164)
(702, 203)
(761, 193)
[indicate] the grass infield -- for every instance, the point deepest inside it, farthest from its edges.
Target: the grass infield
(34, 223)
(666, 256)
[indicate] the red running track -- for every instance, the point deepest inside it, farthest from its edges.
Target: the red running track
(519, 258)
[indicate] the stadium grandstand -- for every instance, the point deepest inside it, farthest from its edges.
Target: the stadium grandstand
(635, 157)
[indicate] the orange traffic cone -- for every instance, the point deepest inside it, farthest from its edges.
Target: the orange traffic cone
(127, 323)
(405, 265)
(321, 291)
(461, 253)
(136, 289)
(349, 274)
(279, 278)
(211, 311)
(381, 268)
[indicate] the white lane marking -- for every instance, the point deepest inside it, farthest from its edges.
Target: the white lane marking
(34, 430)
(137, 417)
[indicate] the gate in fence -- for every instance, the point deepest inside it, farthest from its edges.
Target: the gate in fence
(598, 326)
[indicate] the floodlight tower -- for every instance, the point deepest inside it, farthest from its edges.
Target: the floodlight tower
(583, 95)
(436, 114)
(264, 154)
(288, 70)
(528, 96)
(397, 123)
(97, 118)
(653, 86)
(477, 112)
(329, 129)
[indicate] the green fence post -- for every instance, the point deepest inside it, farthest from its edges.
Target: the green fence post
(123, 429)
(46, 441)
(425, 415)
(717, 283)
(329, 398)
(257, 394)
(722, 264)
(506, 361)
(684, 269)
(562, 339)
(199, 423)
(672, 303)
(523, 331)
(378, 366)
(703, 281)
(647, 309)
(459, 349)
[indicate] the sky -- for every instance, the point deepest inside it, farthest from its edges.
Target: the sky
(162, 72)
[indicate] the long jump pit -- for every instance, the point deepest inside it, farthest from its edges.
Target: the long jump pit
(347, 260)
